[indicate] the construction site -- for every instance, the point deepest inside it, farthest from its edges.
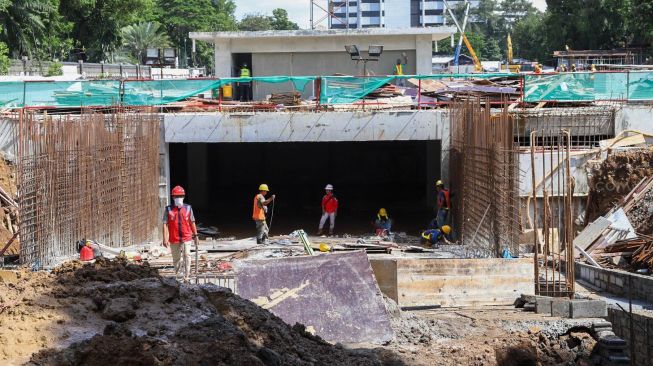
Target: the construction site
(546, 258)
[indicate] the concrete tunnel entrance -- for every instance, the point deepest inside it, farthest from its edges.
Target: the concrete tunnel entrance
(221, 180)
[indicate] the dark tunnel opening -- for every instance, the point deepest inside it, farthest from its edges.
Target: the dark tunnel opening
(222, 179)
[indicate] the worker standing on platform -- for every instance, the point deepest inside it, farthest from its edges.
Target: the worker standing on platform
(179, 230)
(259, 211)
(399, 70)
(329, 210)
(444, 203)
(245, 88)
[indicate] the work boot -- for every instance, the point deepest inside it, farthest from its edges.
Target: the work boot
(331, 232)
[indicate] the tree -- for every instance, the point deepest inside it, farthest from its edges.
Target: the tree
(179, 17)
(255, 22)
(23, 23)
(485, 49)
(529, 41)
(141, 36)
(280, 20)
(259, 22)
(97, 23)
(5, 62)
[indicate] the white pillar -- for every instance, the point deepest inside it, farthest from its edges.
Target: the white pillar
(423, 54)
(223, 59)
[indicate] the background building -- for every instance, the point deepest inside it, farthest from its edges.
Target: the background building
(389, 13)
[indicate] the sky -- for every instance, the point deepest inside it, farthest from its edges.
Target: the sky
(299, 10)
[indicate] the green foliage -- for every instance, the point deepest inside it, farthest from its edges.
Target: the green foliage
(255, 22)
(25, 22)
(280, 20)
(55, 69)
(5, 62)
(486, 49)
(259, 22)
(141, 36)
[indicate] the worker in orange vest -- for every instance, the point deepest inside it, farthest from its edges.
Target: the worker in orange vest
(179, 230)
(258, 213)
(444, 203)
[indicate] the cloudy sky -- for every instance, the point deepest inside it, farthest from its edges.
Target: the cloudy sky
(298, 10)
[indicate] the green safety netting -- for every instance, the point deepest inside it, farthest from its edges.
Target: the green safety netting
(588, 86)
(11, 94)
(349, 89)
(159, 92)
(72, 93)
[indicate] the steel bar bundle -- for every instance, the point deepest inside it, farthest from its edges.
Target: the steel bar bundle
(484, 176)
(553, 215)
(89, 176)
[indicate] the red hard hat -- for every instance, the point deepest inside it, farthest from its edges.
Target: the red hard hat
(178, 191)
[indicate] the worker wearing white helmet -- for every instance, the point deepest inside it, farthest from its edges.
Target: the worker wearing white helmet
(329, 210)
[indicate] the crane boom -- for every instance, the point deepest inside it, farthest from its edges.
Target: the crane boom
(477, 63)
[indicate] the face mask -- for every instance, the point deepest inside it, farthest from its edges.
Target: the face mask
(179, 201)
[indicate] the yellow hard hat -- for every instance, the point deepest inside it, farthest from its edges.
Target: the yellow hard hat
(324, 247)
(446, 229)
(439, 183)
(263, 187)
(383, 212)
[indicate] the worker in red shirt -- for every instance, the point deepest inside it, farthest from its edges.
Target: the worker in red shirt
(329, 210)
(444, 204)
(179, 230)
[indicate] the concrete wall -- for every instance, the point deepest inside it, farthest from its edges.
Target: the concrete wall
(453, 282)
(7, 138)
(642, 333)
(420, 44)
(634, 117)
(616, 282)
(319, 63)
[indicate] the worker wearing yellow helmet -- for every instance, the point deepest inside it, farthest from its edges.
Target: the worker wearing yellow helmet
(435, 236)
(258, 213)
(383, 223)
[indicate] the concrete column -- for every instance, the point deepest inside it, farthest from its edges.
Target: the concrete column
(223, 60)
(423, 55)
(197, 178)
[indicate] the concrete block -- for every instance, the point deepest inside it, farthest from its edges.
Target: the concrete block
(561, 308)
(543, 304)
(588, 309)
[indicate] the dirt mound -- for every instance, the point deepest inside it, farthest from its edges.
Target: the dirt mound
(117, 313)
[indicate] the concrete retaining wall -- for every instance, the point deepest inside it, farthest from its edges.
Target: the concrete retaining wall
(616, 282)
(643, 341)
(453, 282)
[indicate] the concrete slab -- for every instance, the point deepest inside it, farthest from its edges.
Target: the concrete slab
(543, 304)
(588, 309)
(455, 282)
(561, 308)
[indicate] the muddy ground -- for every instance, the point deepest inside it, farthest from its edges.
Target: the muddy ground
(115, 313)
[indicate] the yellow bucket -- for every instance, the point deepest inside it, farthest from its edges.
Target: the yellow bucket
(227, 91)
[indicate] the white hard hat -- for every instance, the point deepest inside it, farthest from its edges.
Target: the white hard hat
(329, 187)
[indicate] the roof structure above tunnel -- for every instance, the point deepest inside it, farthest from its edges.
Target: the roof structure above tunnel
(435, 33)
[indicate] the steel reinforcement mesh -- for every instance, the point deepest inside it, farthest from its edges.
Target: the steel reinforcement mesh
(92, 176)
(484, 178)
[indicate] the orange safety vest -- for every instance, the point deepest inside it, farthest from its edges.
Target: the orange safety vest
(443, 199)
(258, 213)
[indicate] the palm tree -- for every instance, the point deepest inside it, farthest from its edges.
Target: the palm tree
(139, 37)
(23, 22)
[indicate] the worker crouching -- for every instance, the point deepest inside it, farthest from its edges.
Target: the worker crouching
(436, 236)
(258, 213)
(383, 223)
(179, 230)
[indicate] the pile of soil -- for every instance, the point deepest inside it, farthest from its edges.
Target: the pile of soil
(614, 178)
(117, 313)
(8, 184)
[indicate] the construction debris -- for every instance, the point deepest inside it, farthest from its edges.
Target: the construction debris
(286, 99)
(312, 290)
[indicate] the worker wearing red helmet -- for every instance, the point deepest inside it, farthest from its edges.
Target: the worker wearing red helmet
(179, 230)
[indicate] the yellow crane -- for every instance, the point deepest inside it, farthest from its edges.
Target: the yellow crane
(463, 37)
